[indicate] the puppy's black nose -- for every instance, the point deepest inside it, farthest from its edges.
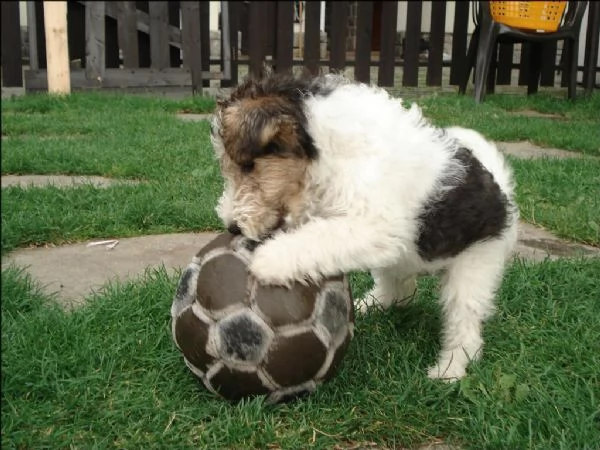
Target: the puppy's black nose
(234, 229)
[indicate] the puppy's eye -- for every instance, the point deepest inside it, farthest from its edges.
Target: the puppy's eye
(271, 149)
(247, 167)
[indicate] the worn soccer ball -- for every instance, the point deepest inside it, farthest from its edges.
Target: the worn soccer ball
(245, 339)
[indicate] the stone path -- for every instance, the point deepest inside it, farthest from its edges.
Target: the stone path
(73, 272)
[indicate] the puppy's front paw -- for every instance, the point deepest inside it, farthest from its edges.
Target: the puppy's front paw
(270, 266)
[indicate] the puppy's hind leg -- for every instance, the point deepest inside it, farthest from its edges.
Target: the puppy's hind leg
(467, 298)
(392, 286)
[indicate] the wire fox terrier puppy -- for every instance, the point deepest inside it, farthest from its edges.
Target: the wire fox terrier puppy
(336, 176)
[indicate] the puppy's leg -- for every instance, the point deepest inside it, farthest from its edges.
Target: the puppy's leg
(392, 286)
(467, 296)
(325, 247)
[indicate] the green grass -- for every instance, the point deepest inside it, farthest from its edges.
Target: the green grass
(577, 127)
(108, 375)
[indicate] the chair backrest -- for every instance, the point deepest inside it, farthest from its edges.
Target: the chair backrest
(571, 19)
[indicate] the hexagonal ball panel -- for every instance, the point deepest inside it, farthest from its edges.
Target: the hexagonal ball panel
(282, 306)
(222, 282)
(243, 337)
(191, 334)
(335, 312)
(295, 359)
(235, 385)
(337, 359)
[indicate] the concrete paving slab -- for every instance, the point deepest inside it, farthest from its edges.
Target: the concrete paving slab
(527, 150)
(26, 181)
(73, 272)
(537, 244)
(194, 117)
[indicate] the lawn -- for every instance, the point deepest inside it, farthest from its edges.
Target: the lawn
(108, 375)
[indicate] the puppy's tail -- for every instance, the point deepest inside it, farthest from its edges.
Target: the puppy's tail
(487, 153)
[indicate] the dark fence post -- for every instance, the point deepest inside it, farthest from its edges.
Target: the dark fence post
(387, 56)
(284, 42)
(436, 44)
(337, 40)
(190, 37)
(94, 41)
(312, 36)
(364, 29)
(459, 42)
(159, 34)
(410, 77)
(256, 36)
(128, 36)
(12, 70)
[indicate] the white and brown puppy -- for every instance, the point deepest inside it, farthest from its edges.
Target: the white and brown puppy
(336, 176)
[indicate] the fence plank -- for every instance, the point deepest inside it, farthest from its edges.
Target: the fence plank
(284, 42)
(459, 42)
(436, 44)
(128, 37)
(505, 58)
(234, 26)
(337, 40)
(410, 77)
(32, 34)
(591, 47)
(524, 63)
(387, 55)
(548, 63)
(364, 29)
(256, 36)
(159, 34)
(122, 79)
(94, 41)
(205, 39)
(312, 36)
(12, 72)
(190, 36)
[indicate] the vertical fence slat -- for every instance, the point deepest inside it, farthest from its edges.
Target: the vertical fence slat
(128, 37)
(548, 63)
(459, 42)
(256, 34)
(410, 77)
(94, 40)
(205, 39)
(32, 34)
(12, 71)
(389, 17)
(190, 37)
(364, 29)
(591, 47)
(436, 44)
(524, 63)
(234, 26)
(312, 36)
(337, 40)
(159, 34)
(284, 42)
(505, 59)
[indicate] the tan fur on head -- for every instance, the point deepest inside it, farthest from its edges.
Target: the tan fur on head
(265, 157)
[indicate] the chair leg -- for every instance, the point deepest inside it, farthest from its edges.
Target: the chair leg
(487, 43)
(535, 68)
(470, 62)
(573, 54)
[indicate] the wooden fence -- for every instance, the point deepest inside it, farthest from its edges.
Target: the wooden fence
(161, 44)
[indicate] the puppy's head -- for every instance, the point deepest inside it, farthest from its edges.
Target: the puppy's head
(260, 138)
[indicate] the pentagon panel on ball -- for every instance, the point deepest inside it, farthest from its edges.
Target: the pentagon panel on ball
(243, 339)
